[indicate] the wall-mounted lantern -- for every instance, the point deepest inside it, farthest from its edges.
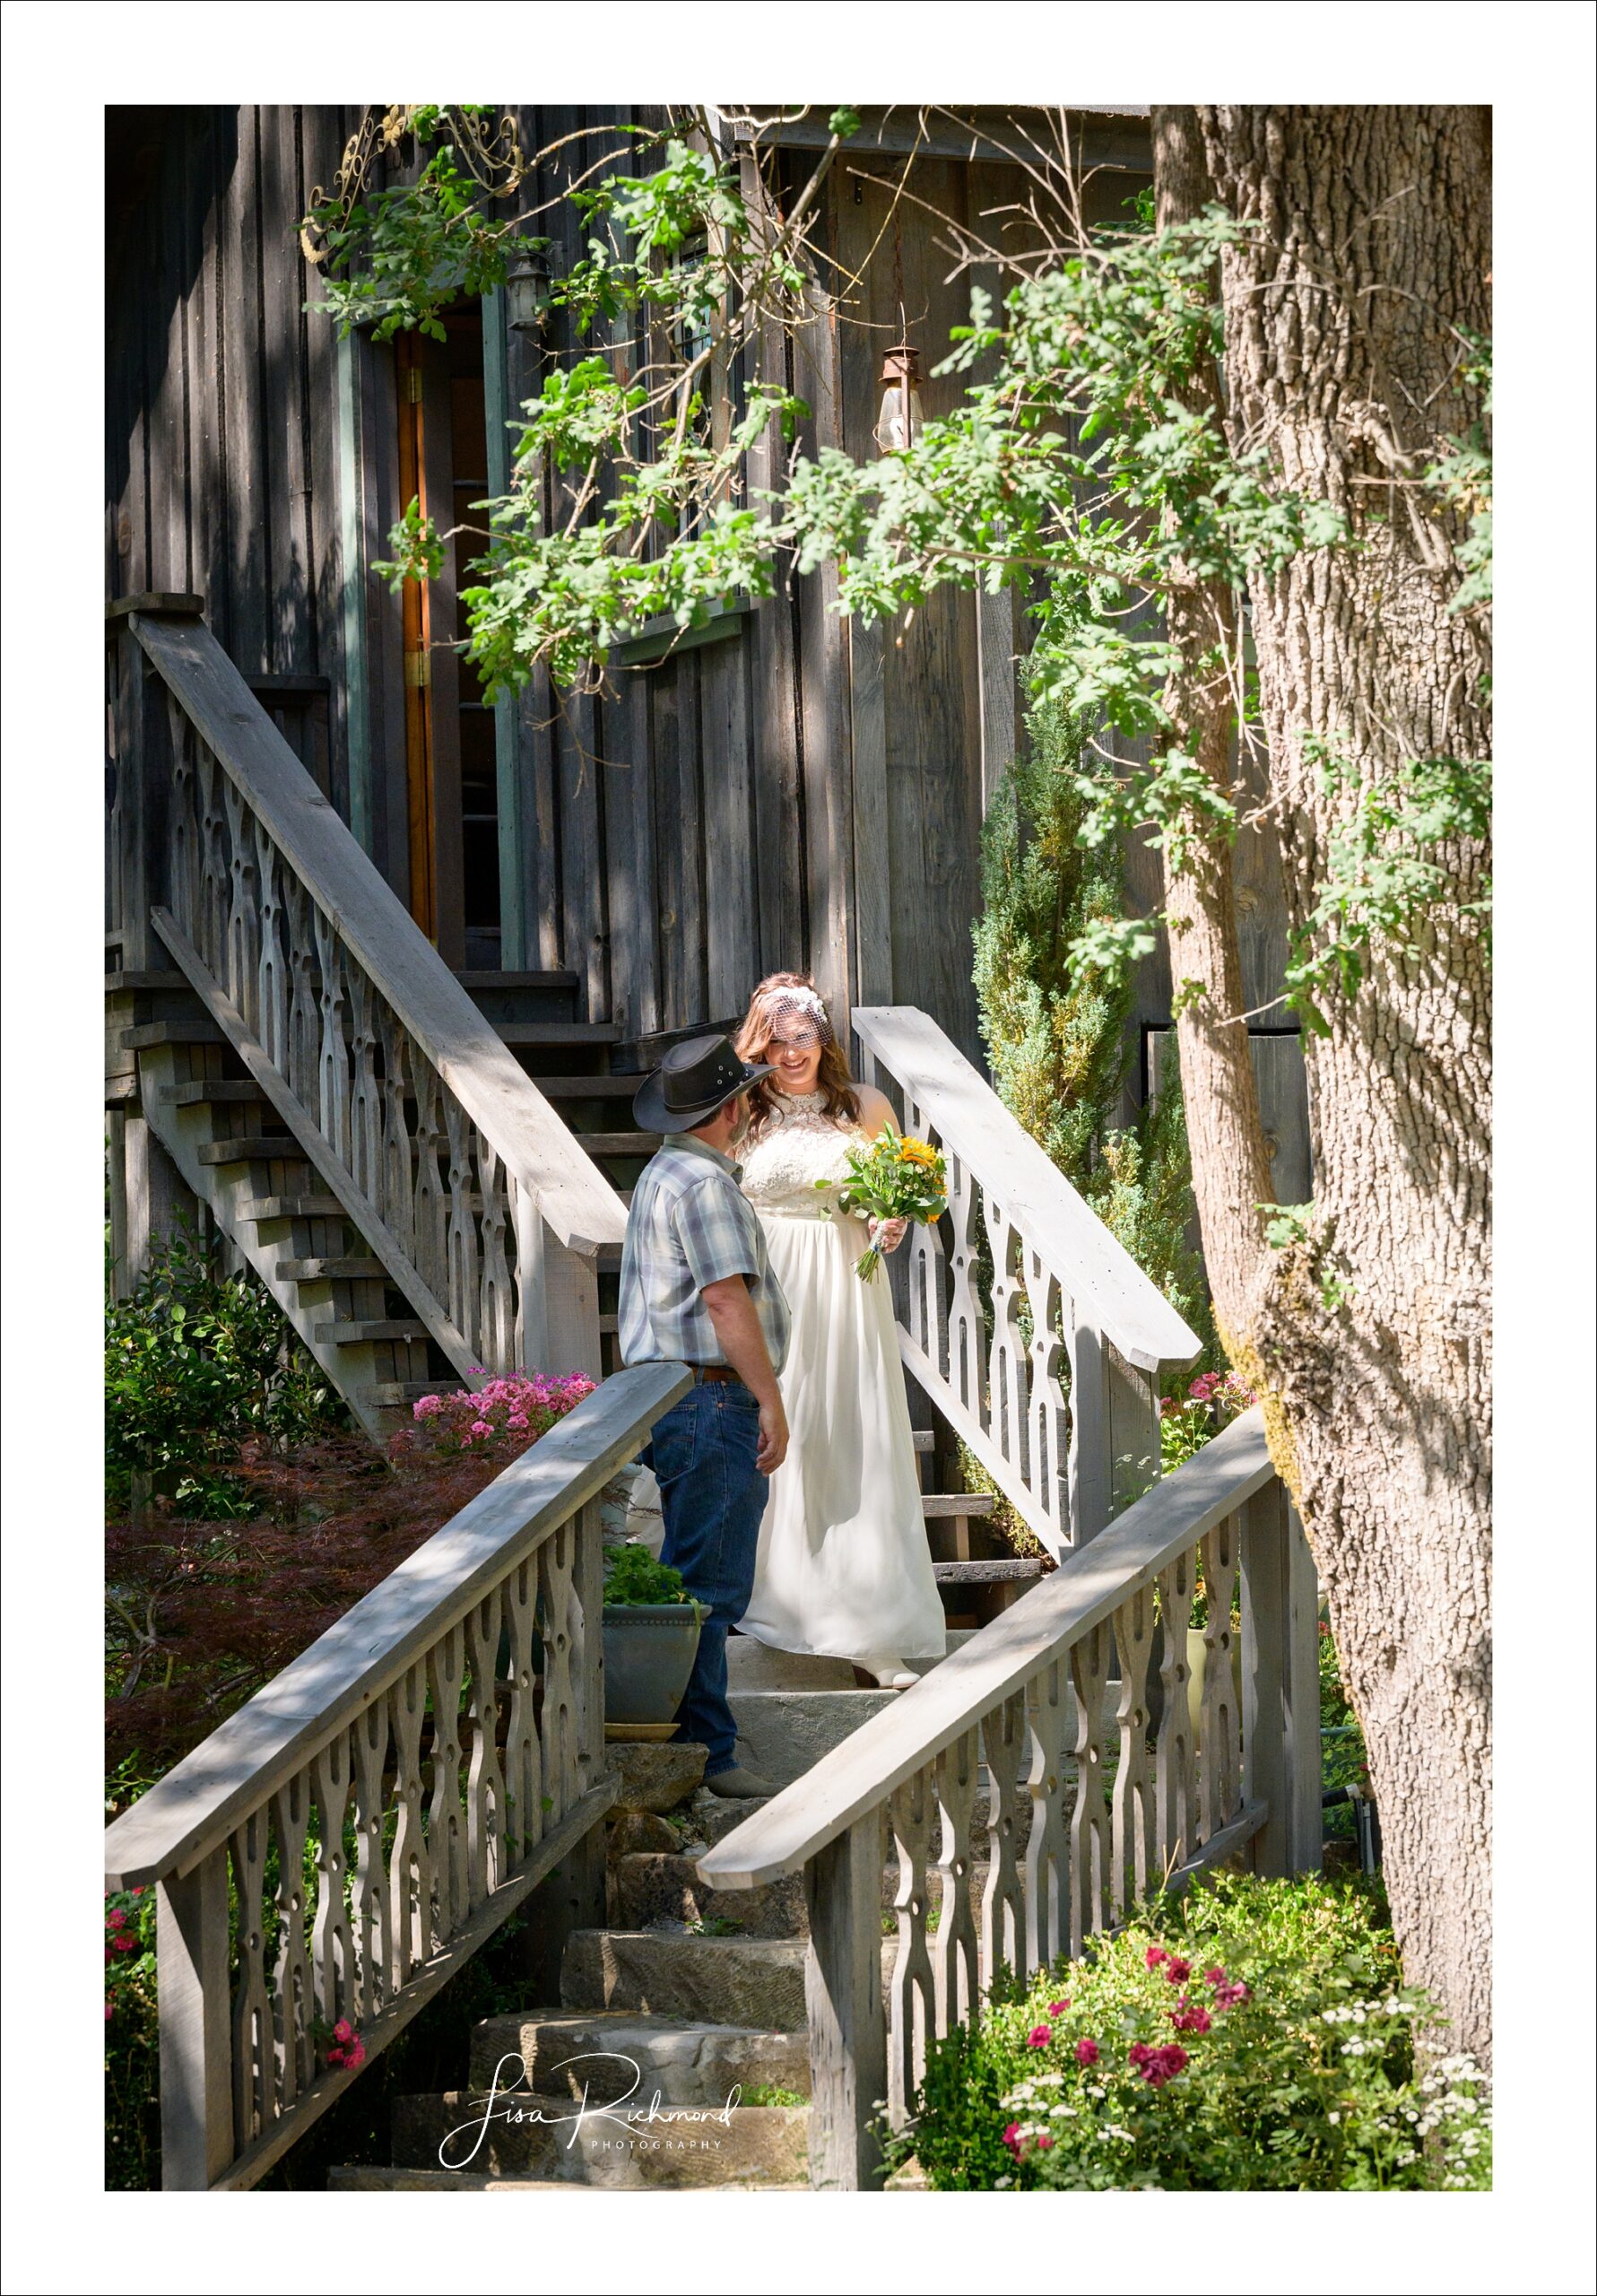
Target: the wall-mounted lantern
(900, 423)
(527, 293)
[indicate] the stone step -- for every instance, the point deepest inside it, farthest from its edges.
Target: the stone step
(756, 1982)
(752, 1664)
(534, 1035)
(782, 1732)
(711, 1817)
(377, 2179)
(619, 2149)
(588, 1088)
(653, 1886)
(614, 2055)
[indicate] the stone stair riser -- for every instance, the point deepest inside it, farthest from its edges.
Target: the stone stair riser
(756, 1982)
(618, 2149)
(612, 2055)
(650, 1886)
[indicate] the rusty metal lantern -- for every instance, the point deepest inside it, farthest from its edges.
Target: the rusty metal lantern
(900, 423)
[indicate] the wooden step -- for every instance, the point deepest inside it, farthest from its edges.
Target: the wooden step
(995, 1572)
(587, 1088)
(149, 1036)
(252, 1148)
(292, 1207)
(618, 1143)
(354, 1335)
(471, 980)
(530, 1035)
(124, 984)
(925, 1440)
(957, 1502)
(353, 1270)
(202, 1092)
(403, 1394)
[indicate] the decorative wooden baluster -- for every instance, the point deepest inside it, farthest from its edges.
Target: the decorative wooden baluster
(333, 1063)
(523, 1762)
(446, 1814)
(1090, 1824)
(967, 1323)
(956, 1955)
(495, 1325)
(254, 2057)
(485, 1783)
(214, 873)
(588, 1643)
(1004, 1917)
(272, 981)
(1047, 1434)
(1134, 1871)
(465, 1291)
(305, 1027)
(912, 2006)
(295, 2044)
(1174, 1770)
(557, 1560)
(410, 1861)
(431, 1222)
(372, 1894)
(1047, 1845)
(331, 1949)
(1006, 1360)
(185, 828)
(397, 1187)
(366, 1115)
(928, 1314)
(243, 934)
(1219, 1773)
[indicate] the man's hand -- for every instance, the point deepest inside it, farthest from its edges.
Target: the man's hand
(887, 1235)
(743, 1344)
(773, 1436)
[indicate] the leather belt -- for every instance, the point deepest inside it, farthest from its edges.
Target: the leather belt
(719, 1372)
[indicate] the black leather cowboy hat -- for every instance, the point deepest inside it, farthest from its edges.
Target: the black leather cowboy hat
(691, 1083)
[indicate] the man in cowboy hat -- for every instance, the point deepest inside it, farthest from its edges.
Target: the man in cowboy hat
(697, 1288)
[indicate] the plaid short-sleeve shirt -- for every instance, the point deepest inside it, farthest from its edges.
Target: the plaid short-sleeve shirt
(690, 1224)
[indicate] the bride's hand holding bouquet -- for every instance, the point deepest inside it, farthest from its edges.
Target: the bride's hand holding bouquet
(897, 1178)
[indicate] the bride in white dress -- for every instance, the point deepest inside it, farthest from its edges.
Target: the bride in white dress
(843, 1570)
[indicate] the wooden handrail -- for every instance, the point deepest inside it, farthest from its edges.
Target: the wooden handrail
(536, 1147)
(923, 1722)
(242, 1763)
(1094, 1268)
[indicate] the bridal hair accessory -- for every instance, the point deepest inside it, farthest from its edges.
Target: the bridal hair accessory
(795, 1004)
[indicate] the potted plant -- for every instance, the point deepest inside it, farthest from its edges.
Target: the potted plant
(651, 1640)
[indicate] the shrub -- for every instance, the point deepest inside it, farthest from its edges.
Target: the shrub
(197, 1364)
(1252, 2035)
(632, 1575)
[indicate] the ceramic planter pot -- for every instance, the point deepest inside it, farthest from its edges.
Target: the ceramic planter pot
(650, 1650)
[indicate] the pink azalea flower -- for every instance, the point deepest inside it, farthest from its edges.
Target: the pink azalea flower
(1155, 1955)
(115, 1918)
(1227, 1996)
(107, 2013)
(357, 2055)
(1045, 2144)
(344, 2031)
(126, 1942)
(1214, 1977)
(1058, 2008)
(1040, 2036)
(1158, 2065)
(1177, 1969)
(1011, 2136)
(481, 1427)
(1188, 2017)
(1086, 2052)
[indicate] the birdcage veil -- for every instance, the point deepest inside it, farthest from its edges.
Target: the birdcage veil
(787, 1008)
(793, 1011)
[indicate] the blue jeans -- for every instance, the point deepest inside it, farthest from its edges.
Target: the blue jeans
(712, 1496)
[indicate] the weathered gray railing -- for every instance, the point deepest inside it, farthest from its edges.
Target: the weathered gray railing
(435, 1787)
(1054, 1385)
(997, 1757)
(460, 1178)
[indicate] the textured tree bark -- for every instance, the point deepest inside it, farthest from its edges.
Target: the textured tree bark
(1342, 319)
(1219, 1093)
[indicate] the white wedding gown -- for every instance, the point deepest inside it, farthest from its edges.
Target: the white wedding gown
(843, 1570)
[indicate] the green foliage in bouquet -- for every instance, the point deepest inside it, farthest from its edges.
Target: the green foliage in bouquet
(896, 1177)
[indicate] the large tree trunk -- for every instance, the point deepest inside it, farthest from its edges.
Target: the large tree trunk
(1343, 315)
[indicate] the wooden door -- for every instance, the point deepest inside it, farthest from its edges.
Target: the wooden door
(450, 759)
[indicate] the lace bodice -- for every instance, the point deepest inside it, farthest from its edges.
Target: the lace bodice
(798, 1147)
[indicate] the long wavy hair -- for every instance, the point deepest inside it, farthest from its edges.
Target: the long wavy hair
(839, 1097)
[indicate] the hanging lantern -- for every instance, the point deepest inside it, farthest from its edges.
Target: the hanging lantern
(527, 293)
(900, 421)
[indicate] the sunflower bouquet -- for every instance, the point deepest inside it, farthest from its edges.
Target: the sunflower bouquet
(896, 1177)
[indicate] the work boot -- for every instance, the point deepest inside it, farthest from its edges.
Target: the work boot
(739, 1784)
